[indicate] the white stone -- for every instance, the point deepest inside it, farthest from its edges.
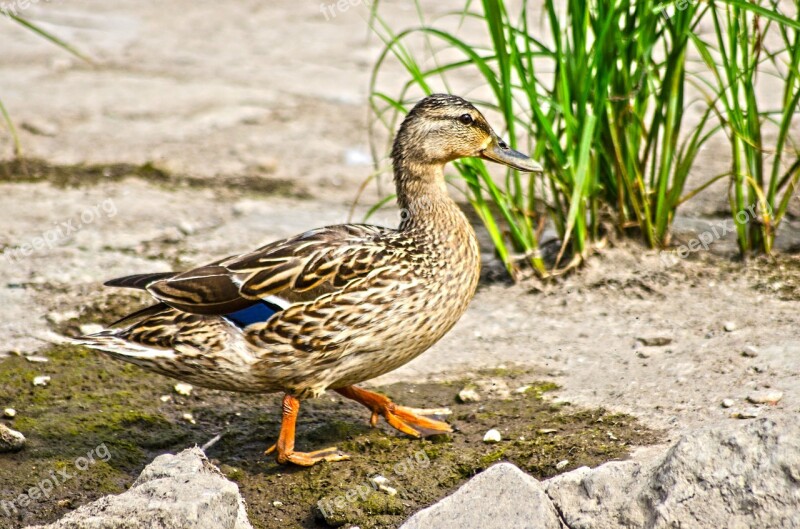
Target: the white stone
(765, 397)
(181, 388)
(750, 351)
(37, 359)
(468, 395)
(10, 440)
(492, 436)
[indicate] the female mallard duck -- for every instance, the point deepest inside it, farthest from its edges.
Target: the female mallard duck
(332, 307)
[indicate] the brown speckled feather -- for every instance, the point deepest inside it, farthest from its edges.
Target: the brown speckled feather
(353, 301)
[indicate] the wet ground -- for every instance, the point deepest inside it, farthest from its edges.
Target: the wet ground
(98, 422)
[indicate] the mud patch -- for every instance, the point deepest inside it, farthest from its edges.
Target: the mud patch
(93, 401)
(779, 276)
(82, 175)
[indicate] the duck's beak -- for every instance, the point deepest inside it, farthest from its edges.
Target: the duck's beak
(498, 151)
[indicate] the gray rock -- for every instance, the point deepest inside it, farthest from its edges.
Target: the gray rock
(173, 492)
(737, 476)
(500, 497)
(10, 440)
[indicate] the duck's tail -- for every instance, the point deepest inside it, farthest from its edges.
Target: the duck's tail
(110, 340)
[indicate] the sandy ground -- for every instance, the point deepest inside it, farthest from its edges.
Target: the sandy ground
(276, 91)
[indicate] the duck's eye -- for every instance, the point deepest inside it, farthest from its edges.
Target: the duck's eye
(466, 119)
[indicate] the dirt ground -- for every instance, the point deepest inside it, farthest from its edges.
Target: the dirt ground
(204, 131)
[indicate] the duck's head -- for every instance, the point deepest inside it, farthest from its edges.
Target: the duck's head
(442, 128)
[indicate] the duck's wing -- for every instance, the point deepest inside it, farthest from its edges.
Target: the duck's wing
(294, 269)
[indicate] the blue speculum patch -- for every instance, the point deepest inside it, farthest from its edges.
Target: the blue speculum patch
(257, 313)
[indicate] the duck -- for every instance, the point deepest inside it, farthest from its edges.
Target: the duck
(335, 306)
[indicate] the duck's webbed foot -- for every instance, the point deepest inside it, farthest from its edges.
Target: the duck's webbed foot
(411, 421)
(285, 445)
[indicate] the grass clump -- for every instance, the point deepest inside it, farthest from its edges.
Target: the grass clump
(599, 92)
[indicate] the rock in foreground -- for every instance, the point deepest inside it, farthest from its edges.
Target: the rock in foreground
(500, 497)
(736, 476)
(740, 475)
(173, 492)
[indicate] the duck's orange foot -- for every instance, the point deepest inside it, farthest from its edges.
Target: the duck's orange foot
(285, 445)
(413, 422)
(307, 459)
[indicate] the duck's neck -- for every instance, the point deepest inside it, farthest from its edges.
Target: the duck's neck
(422, 197)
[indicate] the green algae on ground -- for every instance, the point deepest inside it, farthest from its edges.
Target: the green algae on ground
(94, 401)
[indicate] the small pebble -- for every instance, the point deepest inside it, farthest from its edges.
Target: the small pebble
(10, 440)
(750, 352)
(468, 395)
(383, 485)
(186, 228)
(184, 389)
(41, 380)
(546, 430)
(522, 389)
(9, 413)
(165, 398)
(728, 403)
(379, 480)
(188, 417)
(771, 397)
(561, 464)
(492, 436)
(729, 326)
(277, 504)
(37, 359)
(90, 328)
(750, 413)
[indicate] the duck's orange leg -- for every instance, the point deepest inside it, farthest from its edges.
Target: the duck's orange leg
(407, 420)
(285, 444)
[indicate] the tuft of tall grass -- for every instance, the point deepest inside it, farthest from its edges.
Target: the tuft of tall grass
(598, 93)
(764, 171)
